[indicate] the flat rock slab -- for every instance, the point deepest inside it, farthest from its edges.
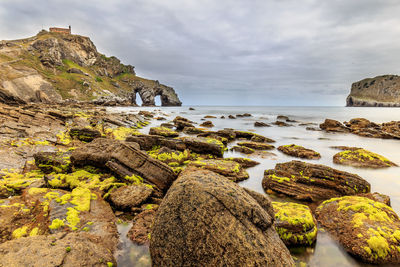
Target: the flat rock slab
(299, 152)
(163, 131)
(84, 134)
(207, 220)
(312, 182)
(244, 162)
(295, 224)
(204, 145)
(358, 157)
(230, 169)
(130, 196)
(253, 137)
(256, 145)
(367, 229)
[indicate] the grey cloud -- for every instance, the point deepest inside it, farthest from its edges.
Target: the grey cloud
(226, 52)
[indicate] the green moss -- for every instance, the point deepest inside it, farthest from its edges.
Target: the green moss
(379, 246)
(81, 198)
(73, 218)
(278, 178)
(35, 190)
(294, 214)
(34, 232)
(121, 133)
(110, 264)
(363, 155)
(19, 232)
(68, 249)
(56, 223)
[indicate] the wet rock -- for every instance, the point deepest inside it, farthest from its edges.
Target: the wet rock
(13, 183)
(244, 162)
(243, 149)
(231, 117)
(295, 223)
(147, 142)
(209, 117)
(163, 131)
(141, 228)
(191, 109)
(146, 113)
(203, 207)
(282, 118)
(261, 124)
(84, 134)
(192, 130)
(181, 123)
(204, 145)
(377, 197)
(207, 124)
(256, 145)
(244, 115)
(127, 161)
(299, 151)
(160, 118)
(229, 134)
(130, 196)
(312, 182)
(253, 137)
(49, 162)
(333, 126)
(367, 229)
(358, 157)
(229, 169)
(167, 125)
(222, 117)
(281, 124)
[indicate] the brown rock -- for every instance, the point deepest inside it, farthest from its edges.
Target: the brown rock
(49, 162)
(312, 182)
(130, 196)
(203, 145)
(334, 126)
(358, 157)
(261, 124)
(163, 131)
(256, 145)
(244, 162)
(207, 124)
(299, 151)
(198, 217)
(84, 134)
(242, 149)
(229, 169)
(147, 142)
(141, 228)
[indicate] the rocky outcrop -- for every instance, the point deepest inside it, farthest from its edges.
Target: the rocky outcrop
(358, 157)
(312, 182)
(197, 220)
(381, 91)
(367, 229)
(52, 68)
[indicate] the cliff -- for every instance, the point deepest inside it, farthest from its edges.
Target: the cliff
(54, 68)
(381, 91)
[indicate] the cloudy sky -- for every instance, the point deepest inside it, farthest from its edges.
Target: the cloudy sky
(258, 52)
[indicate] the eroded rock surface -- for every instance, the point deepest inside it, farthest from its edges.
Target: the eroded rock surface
(299, 151)
(198, 217)
(312, 182)
(358, 157)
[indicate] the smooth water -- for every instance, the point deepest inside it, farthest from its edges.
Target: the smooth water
(386, 181)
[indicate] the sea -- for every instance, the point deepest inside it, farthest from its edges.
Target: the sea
(326, 251)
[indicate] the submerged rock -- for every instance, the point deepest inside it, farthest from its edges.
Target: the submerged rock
(230, 169)
(299, 151)
(358, 157)
(201, 213)
(295, 223)
(312, 182)
(367, 229)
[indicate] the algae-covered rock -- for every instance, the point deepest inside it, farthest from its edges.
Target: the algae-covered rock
(230, 169)
(256, 145)
(244, 162)
(295, 223)
(130, 196)
(207, 124)
(367, 229)
(243, 149)
(206, 220)
(13, 183)
(148, 142)
(181, 122)
(192, 130)
(312, 182)
(253, 137)
(84, 134)
(299, 151)
(204, 145)
(358, 157)
(50, 162)
(163, 131)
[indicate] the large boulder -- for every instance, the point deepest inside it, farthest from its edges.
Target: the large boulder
(312, 182)
(330, 125)
(207, 220)
(130, 196)
(367, 229)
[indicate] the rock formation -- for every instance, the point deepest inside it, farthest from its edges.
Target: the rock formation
(52, 67)
(381, 91)
(207, 220)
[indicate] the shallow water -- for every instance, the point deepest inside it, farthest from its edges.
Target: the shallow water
(386, 181)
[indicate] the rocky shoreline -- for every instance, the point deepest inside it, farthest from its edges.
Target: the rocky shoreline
(70, 174)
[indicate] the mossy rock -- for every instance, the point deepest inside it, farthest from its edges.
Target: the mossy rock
(12, 183)
(204, 145)
(230, 169)
(48, 162)
(253, 137)
(243, 149)
(299, 151)
(295, 223)
(312, 182)
(358, 157)
(244, 162)
(367, 229)
(207, 124)
(256, 145)
(193, 130)
(163, 131)
(84, 134)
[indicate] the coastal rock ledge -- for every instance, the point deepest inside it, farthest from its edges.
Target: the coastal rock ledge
(381, 91)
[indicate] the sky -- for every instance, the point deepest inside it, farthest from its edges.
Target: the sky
(257, 52)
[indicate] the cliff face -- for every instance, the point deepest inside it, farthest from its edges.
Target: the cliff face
(381, 91)
(53, 67)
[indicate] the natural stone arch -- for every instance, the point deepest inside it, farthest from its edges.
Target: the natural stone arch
(148, 92)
